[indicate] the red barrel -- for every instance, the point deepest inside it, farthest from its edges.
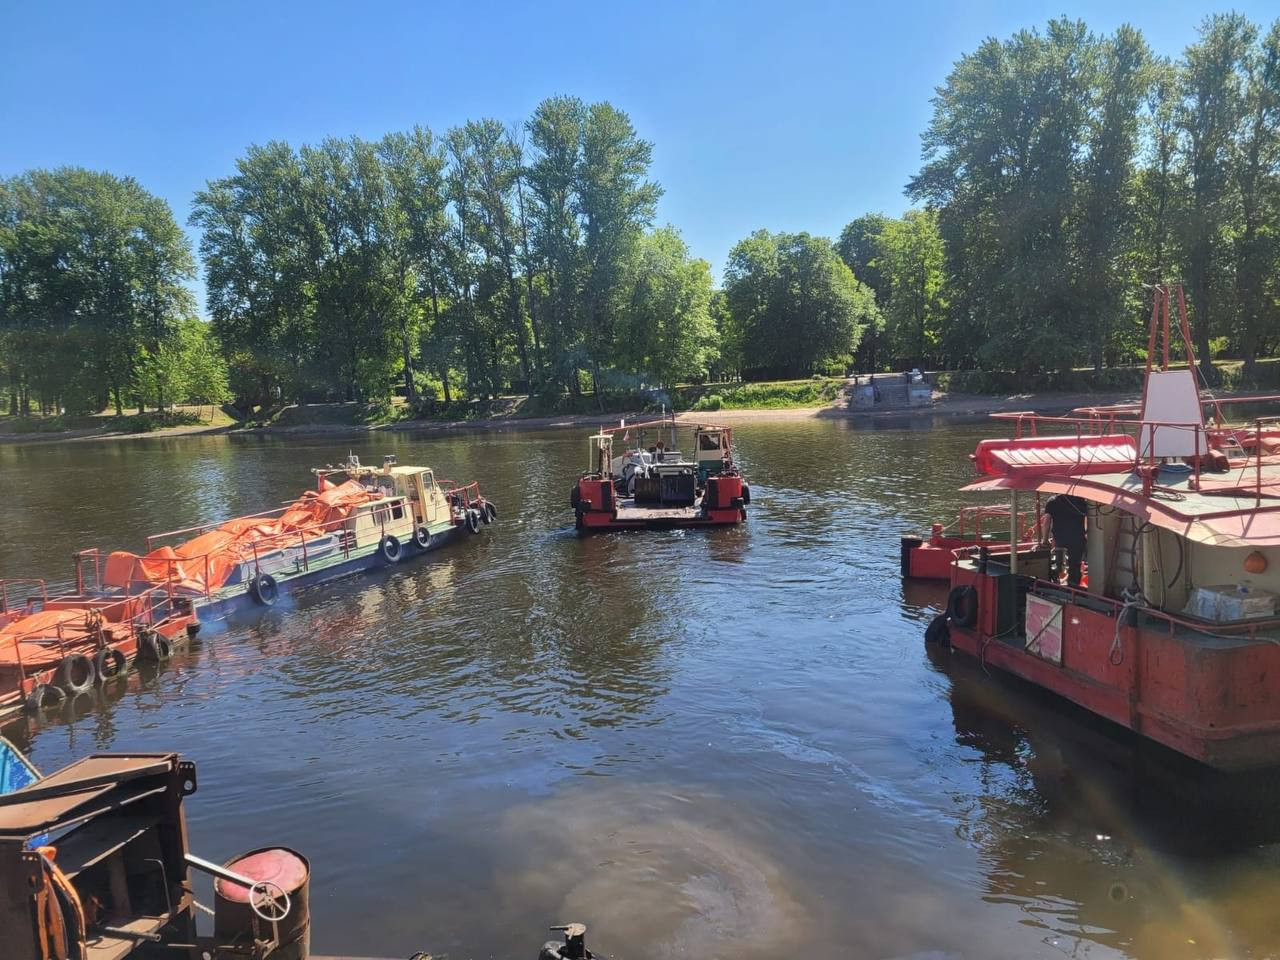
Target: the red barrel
(234, 920)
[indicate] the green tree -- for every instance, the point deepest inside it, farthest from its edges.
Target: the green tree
(858, 248)
(616, 203)
(1256, 166)
(1003, 157)
(92, 278)
(1104, 227)
(665, 332)
(259, 283)
(555, 137)
(911, 260)
(1213, 108)
(793, 304)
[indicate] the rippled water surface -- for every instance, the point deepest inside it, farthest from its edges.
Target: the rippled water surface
(703, 744)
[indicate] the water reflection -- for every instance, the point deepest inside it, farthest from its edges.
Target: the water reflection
(717, 743)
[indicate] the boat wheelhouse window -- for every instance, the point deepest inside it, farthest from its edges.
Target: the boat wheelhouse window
(397, 510)
(709, 441)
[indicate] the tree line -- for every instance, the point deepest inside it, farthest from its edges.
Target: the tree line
(482, 260)
(93, 306)
(1063, 171)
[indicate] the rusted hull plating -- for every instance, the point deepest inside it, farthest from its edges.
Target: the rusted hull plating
(1209, 699)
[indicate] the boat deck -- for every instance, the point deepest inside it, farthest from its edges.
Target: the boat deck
(628, 510)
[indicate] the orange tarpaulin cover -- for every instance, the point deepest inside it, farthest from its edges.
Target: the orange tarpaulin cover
(38, 633)
(205, 562)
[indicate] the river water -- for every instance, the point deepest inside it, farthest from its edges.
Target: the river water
(703, 744)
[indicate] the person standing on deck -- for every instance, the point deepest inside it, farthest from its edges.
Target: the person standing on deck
(1067, 514)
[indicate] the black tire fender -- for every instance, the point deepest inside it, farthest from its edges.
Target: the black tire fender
(962, 605)
(575, 497)
(42, 695)
(109, 663)
(154, 648)
(746, 495)
(939, 631)
(422, 538)
(488, 512)
(264, 589)
(389, 548)
(76, 674)
(473, 521)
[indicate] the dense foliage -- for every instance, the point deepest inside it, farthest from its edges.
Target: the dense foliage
(485, 260)
(1063, 171)
(792, 306)
(92, 303)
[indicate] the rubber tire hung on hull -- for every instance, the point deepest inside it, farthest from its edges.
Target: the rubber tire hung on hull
(422, 538)
(962, 605)
(153, 647)
(118, 664)
(43, 695)
(473, 521)
(938, 631)
(264, 590)
(76, 674)
(488, 512)
(389, 548)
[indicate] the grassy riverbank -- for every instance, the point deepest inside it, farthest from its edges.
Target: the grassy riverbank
(107, 424)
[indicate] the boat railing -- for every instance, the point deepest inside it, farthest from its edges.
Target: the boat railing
(1233, 630)
(469, 492)
(92, 625)
(203, 528)
(7, 583)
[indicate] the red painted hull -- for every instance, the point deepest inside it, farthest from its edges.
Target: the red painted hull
(603, 521)
(16, 683)
(931, 560)
(597, 507)
(1214, 701)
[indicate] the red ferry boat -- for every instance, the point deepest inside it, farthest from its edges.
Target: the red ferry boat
(55, 648)
(1163, 617)
(654, 485)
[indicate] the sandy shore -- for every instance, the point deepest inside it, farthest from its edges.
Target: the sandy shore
(945, 406)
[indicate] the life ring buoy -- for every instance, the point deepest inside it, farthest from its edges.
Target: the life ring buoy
(109, 663)
(264, 590)
(389, 548)
(962, 605)
(76, 674)
(154, 648)
(939, 631)
(422, 538)
(42, 695)
(473, 521)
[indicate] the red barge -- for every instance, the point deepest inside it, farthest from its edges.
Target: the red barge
(654, 486)
(1174, 632)
(53, 648)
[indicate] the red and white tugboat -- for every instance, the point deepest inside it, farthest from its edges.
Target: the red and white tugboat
(653, 485)
(1174, 631)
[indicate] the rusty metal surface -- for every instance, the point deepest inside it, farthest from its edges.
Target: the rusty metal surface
(61, 794)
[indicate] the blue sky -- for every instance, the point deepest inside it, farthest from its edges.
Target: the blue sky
(790, 116)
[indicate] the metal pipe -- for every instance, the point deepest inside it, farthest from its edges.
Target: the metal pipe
(1013, 532)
